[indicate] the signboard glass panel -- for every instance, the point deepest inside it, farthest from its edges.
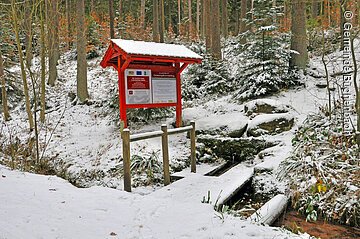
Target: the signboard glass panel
(138, 86)
(163, 87)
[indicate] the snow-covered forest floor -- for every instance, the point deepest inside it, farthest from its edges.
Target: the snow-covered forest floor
(82, 144)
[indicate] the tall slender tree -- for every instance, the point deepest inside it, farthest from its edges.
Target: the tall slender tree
(68, 23)
(81, 74)
(179, 17)
(236, 16)
(198, 18)
(52, 42)
(224, 18)
(42, 59)
(3, 90)
(190, 29)
(208, 28)
(314, 8)
(28, 30)
(162, 20)
(156, 35)
(142, 13)
(215, 30)
(15, 22)
(299, 40)
(111, 15)
(242, 24)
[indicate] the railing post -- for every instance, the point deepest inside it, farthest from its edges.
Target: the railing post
(193, 149)
(165, 152)
(126, 159)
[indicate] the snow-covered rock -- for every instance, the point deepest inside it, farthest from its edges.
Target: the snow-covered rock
(232, 124)
(238, 149)
(265, 106)
(270, 124)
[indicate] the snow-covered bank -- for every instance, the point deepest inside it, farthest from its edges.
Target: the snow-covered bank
(35, 206)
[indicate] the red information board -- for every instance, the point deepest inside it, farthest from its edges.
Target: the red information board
(148, 74)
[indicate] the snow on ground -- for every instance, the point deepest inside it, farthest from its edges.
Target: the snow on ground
(36, 206)
(87, 143)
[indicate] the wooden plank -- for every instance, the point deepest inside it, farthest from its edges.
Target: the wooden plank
(193, 147)
(126, 159)
(165, 152)
(180, 130)
(147, 135)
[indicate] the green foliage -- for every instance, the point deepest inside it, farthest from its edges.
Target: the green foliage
(140, 115)
(93, 37)
(207, 199)
(323, 171)
(210, 78)
(266, 54)
(150, 164)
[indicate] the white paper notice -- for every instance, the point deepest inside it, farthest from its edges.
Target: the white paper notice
(163, 87)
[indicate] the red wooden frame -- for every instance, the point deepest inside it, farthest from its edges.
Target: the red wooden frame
(121, 60)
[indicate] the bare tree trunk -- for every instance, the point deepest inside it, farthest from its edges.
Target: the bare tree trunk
(170, 25)
(326, 73)
(121, 10)
(236, 16)
(242, 25)
(3, 90)
(42, 60)
(356, 87)
(156, 36)
(207, 26)
(197, 18)
(81, 76)
(111, 15)
(342, 22)
(190, 19)
(142, 14)
(179, 16)
(69, 33)
(51, 18)
(28, 31)
(203, 19)
(298, 38)
(15, 21)
(215, 31)
(224, 18)
(162, 20)
(314, 9)
(56, 29)
(358, 13)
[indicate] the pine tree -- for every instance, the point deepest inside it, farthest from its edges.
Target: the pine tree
(266, 54)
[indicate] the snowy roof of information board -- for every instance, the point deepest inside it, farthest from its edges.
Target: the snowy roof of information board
(155, 49)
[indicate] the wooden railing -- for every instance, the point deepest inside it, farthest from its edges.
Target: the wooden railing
(164, 133)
